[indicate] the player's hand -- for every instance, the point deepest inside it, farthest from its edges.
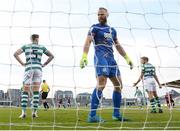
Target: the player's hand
(160, 86)
(128, 60)
(43, 65)
(83, 61)
(134, 84)
(23, 64)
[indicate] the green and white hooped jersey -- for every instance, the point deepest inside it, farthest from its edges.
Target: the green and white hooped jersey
(33, 54)
(138, 93)
(148, 70)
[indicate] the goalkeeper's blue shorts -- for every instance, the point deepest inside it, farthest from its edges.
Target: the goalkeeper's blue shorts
(106, 66)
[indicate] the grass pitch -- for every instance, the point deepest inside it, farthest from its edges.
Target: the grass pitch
(72, 119)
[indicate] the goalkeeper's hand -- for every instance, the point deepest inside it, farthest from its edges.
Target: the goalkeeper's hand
(84, 61)
(128, 60)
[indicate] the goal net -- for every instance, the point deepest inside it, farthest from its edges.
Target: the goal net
(144, 28)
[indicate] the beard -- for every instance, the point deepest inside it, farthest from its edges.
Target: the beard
(103, 20)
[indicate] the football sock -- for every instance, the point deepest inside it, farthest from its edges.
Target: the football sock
(44, 104)
(35, 100)
(158, 102)
(24, 100)
(116, 102)
(96, 96)
(152, 101)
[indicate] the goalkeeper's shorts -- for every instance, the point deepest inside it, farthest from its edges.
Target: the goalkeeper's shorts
(149, 84)
(31, 76)
(106, 66)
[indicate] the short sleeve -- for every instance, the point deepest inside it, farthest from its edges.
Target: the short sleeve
(23, 48)
(154, 69)
(92, 31)
(44, 50)
(114, 34)
(142, 68)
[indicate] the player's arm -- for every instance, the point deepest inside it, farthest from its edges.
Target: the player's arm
(157, 80)
(41, 89)
(50, 57)
(48, 89)
(16, 55)
(140, 77)
(135, 94)
(84, 61)
(122, 52)
(141, 93)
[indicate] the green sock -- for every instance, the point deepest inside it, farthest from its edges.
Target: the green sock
(24, 101)
(158, 102)
(152, 101)
(35, 100)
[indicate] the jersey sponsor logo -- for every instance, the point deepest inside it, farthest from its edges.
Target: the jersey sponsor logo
(104, 69)
(107, 35)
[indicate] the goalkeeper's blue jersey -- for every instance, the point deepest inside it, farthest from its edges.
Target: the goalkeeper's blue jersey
(103, 38)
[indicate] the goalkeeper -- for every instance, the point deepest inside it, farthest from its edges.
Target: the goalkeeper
(104, 37)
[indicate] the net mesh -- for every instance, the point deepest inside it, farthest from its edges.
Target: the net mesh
(144, 28)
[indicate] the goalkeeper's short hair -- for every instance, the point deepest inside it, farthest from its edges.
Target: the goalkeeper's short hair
(102, 8)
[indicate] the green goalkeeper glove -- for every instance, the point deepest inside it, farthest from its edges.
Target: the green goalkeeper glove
(128, 60)
(84, 61)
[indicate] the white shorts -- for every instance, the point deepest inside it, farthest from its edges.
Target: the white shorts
(31, 76)
(139, 99)
(149, 84)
